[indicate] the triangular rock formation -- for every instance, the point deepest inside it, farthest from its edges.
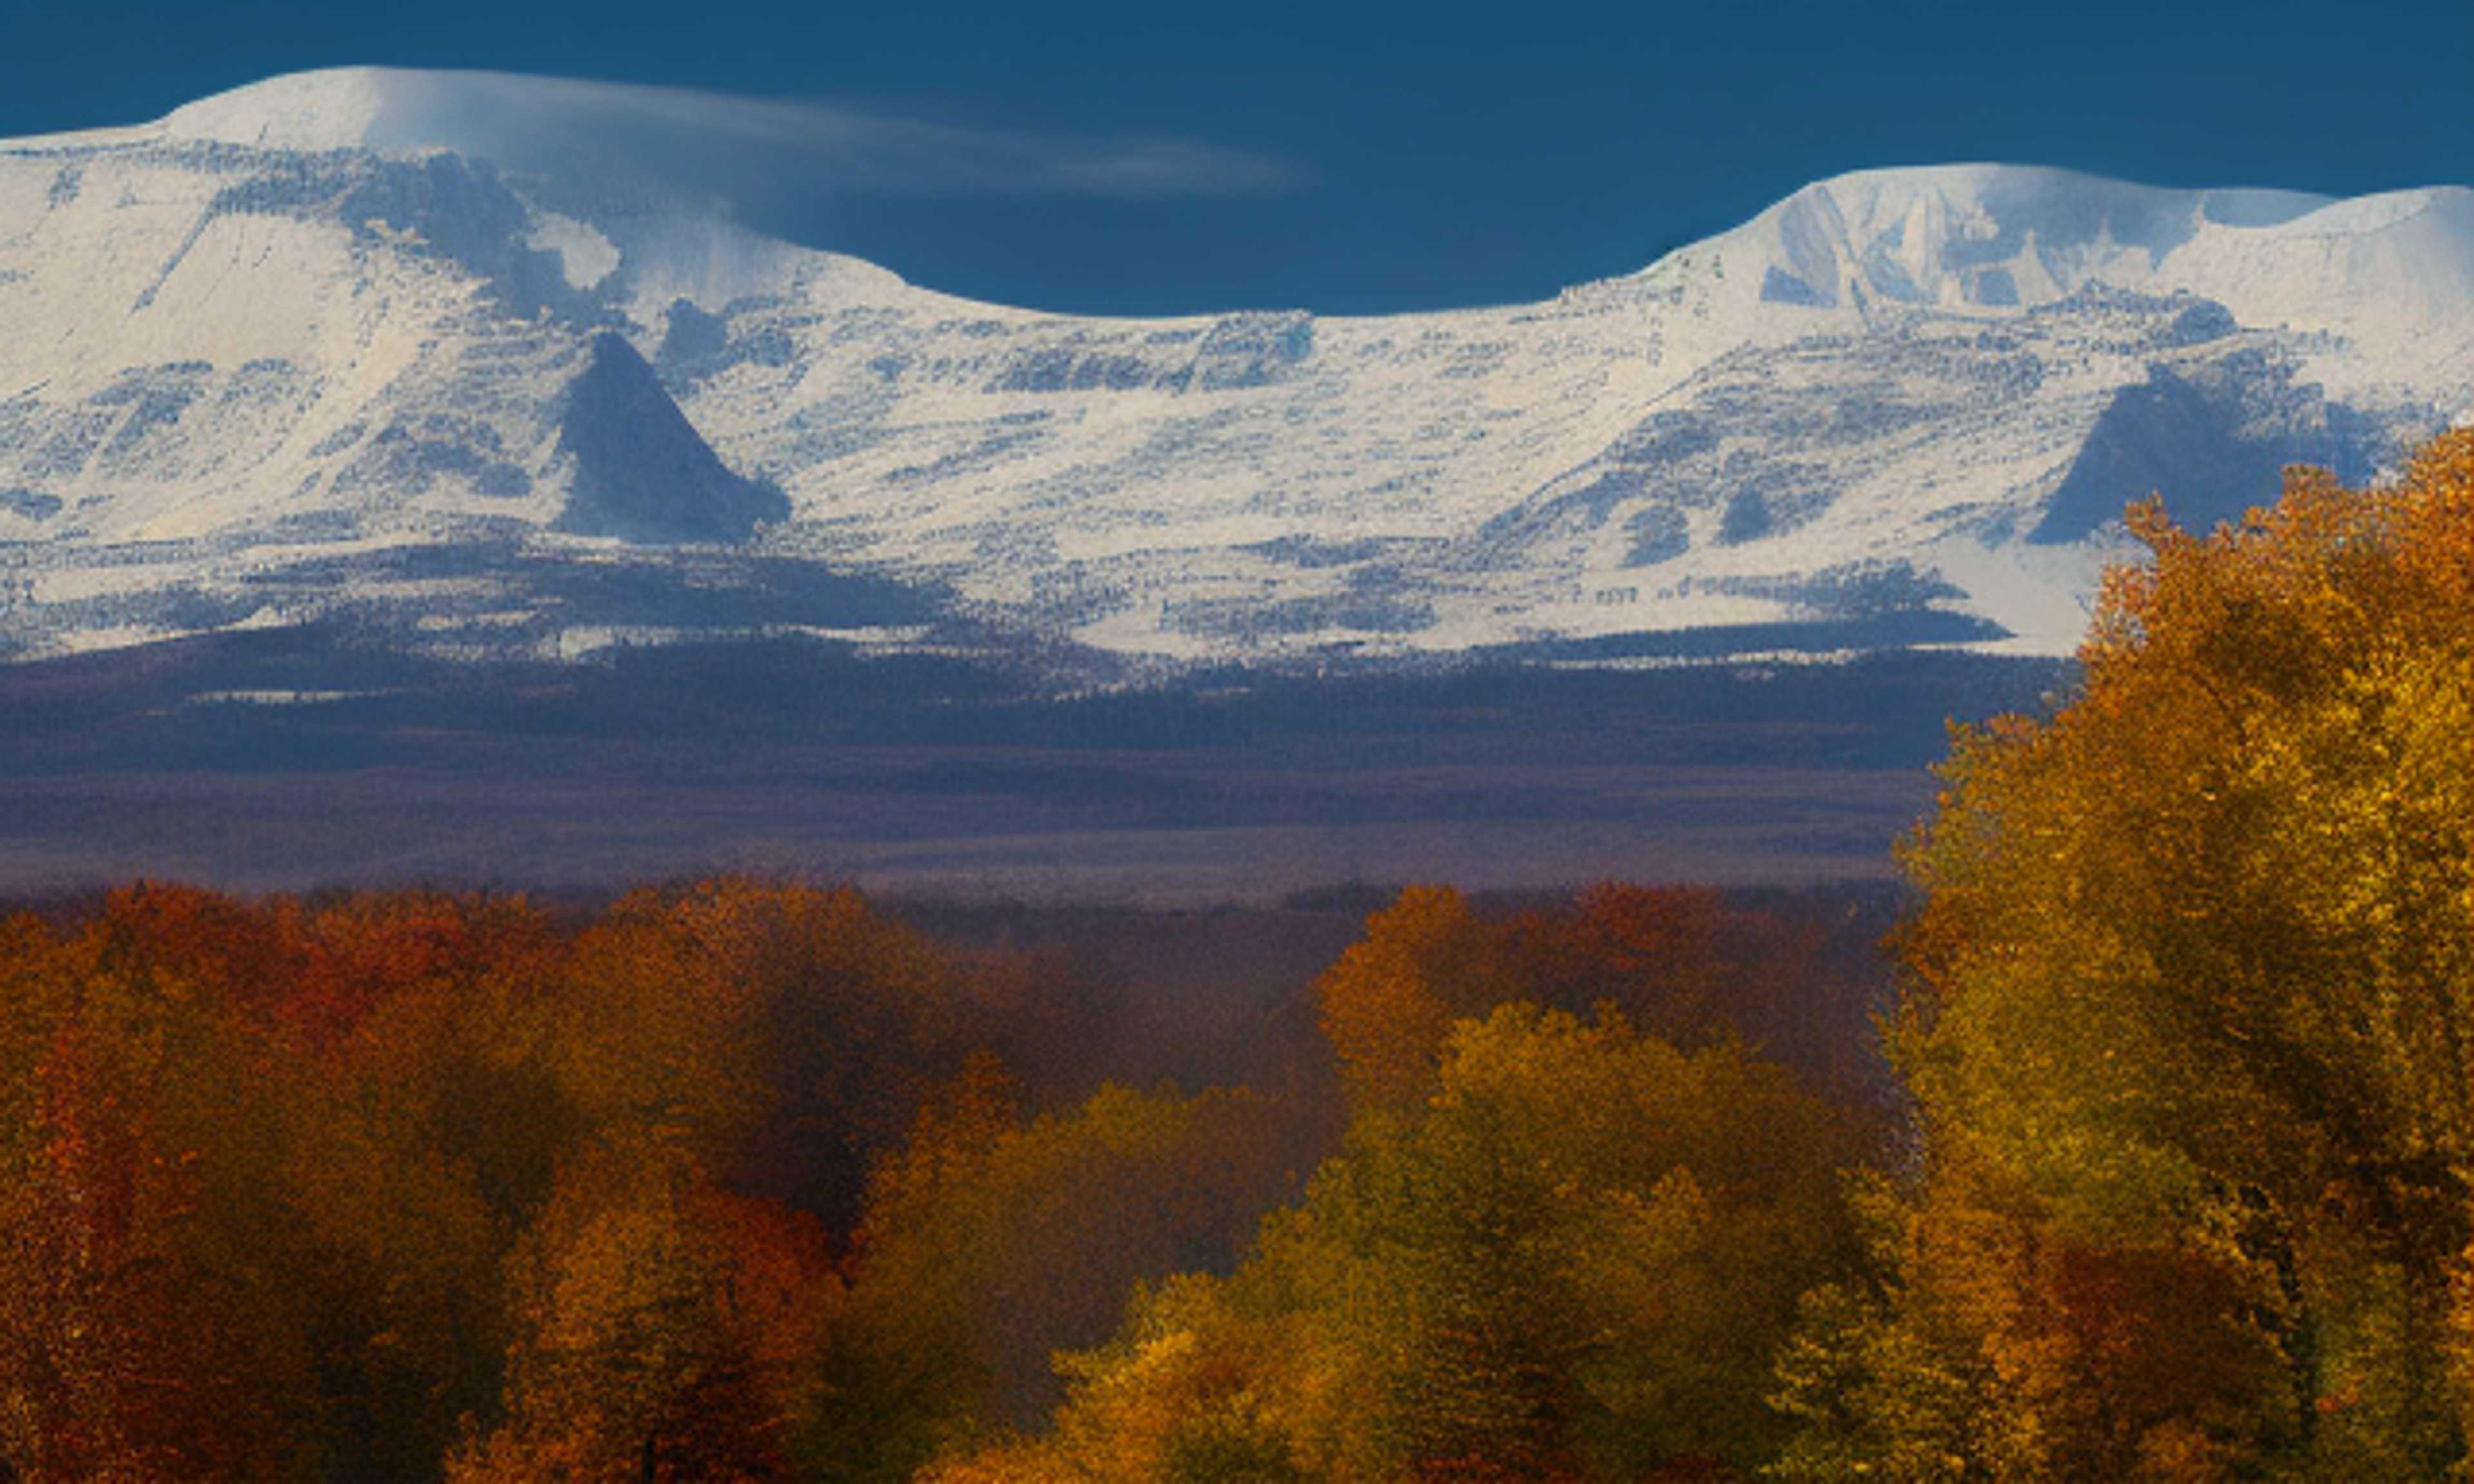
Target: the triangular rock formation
(640, 471)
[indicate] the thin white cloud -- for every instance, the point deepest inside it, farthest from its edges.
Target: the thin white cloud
(718, 145)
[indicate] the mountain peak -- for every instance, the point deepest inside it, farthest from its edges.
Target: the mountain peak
(1994, 238)
(332, 108)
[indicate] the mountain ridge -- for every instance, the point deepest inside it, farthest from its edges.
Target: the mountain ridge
(254, 351)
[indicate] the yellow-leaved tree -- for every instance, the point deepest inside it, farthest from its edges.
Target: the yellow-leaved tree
(1572, 1258)
(2189, 1018)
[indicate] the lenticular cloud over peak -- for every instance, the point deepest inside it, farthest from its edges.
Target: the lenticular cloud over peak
(697, 145)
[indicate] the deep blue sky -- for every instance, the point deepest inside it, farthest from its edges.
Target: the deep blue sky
(1440, 157)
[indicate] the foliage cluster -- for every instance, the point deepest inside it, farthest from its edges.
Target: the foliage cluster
(740, 1181)
(412, 1187)
(2190, 1029)
(751, 1182)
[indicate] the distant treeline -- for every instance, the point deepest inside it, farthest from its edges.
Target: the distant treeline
(727, 1180)
(740, 1180)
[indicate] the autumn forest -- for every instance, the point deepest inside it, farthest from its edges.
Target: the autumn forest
(2136, 1145)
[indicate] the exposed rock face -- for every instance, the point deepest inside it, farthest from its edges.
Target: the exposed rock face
(640, 473)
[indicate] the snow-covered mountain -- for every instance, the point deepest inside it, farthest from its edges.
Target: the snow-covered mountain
(347, 343)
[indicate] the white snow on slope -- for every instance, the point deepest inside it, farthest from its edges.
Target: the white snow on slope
(269, 352)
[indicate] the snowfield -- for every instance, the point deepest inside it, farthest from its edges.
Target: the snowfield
(329, 346)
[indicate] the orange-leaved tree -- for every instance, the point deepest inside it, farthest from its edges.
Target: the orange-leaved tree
(664, 1329)
(991, 1241)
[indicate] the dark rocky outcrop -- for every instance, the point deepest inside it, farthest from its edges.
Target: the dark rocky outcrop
(642, 472)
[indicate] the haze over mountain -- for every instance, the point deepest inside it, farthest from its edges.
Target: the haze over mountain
(441, 354)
